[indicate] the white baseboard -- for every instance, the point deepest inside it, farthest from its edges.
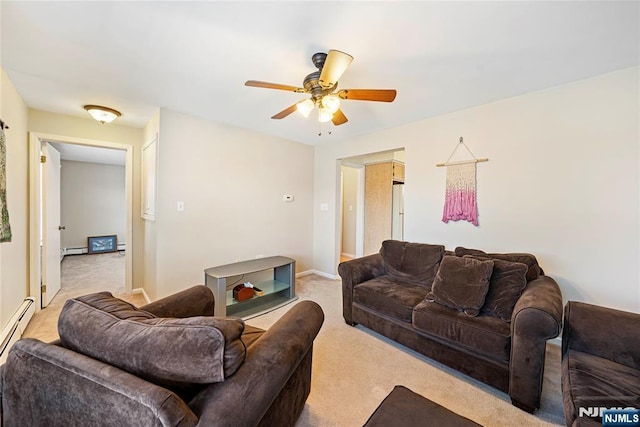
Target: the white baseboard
(82, 251)
(304, 273)
(16, 326)
(141, 291)
(319, 273)
(346, 255)
(74, 251)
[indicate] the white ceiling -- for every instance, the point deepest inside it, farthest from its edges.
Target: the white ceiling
(194, 57)
(85, 153)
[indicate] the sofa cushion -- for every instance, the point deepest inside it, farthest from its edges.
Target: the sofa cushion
(589, 380)
(484, 334)
(508, 280)
(390, 296)
(170, 352)
(533, 271)
(411, 262)
(462, 283)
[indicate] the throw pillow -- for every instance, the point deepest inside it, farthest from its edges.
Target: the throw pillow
(508, 280)
(462, 283)
(168, 352)
(412, 262)
(533, 270)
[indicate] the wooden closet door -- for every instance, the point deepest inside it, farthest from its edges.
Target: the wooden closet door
(378, 192)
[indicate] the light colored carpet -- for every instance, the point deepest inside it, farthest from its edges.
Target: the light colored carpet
(81, 275)
(355, 368)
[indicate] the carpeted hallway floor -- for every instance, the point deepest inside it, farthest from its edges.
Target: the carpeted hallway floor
(355, 368)
(81, 275)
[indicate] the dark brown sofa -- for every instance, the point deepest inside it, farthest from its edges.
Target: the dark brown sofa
(267, 384)
(390, 293)
(600, 362)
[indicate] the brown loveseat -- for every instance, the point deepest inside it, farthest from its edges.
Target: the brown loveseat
(184, 367)
(407, 292)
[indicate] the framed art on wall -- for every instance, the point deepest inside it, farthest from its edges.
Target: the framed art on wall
(100, 244)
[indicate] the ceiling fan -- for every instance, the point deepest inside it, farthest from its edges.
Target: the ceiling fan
(321, 85)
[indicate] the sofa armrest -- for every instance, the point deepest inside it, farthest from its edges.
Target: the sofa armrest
(195, 301)
(244, 398)
(537, 317)
(588, 328)
(354, 272)
(45, 384)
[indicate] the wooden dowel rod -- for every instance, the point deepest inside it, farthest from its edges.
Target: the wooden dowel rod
(462, 162)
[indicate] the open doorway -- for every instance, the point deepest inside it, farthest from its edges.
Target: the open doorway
(372, 202)
(88, 163)
(92, 203)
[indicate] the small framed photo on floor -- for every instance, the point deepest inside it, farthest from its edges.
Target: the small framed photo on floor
(101, 244)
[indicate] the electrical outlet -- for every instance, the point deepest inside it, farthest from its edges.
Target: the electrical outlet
(287, 198)
(180, 206)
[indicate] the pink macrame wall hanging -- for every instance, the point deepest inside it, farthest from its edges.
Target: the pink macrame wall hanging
(460, 201)
(460, 198)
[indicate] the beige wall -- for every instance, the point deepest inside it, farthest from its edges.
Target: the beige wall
(76, 127)
(231, 181)
(562, 182)
(14, 266)
(92, 202)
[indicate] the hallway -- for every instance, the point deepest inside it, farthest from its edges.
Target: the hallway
(81, 275)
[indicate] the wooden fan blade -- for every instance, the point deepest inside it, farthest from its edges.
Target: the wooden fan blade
(267, 85)
(333, 68)
(339, 118)
(381, 95)
(284, 113)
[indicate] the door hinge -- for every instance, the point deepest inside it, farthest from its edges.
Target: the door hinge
(43, 288)
(43, 159)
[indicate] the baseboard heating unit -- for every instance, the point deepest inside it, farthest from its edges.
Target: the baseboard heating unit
(16, 326)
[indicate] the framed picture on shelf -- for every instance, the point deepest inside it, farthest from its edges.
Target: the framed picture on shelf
(100, 244)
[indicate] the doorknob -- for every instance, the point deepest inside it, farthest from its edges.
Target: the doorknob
(62, 227)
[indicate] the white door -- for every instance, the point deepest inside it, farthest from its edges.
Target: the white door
(50, 223)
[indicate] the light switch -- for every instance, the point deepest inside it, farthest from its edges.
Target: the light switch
(180, 206)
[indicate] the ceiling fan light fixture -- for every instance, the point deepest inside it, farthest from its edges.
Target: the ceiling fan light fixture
(324, 115)
(305, 107)
(334, 66)
(331, 103)
(102, 114)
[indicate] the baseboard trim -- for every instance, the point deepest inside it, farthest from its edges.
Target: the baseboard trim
(319, 273)
(85, 250)
(346, 255)
(16, 326)
(144, 294)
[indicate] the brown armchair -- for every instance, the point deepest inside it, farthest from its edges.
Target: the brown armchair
(600, 362)
(47, 384)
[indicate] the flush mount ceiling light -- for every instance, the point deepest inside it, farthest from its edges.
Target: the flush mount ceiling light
(102, 114)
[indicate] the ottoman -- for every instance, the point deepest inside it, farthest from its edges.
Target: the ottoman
(402, 407)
